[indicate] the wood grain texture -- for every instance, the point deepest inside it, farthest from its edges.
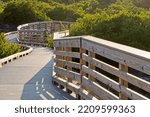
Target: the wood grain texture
(67, 73)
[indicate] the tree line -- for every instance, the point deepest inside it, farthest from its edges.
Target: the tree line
(22, 11)
(122, 21)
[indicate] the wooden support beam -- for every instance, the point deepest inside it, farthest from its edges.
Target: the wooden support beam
(91, 54)
(123, 82)
(67, 58)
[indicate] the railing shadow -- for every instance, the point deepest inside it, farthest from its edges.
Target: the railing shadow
(40, 87)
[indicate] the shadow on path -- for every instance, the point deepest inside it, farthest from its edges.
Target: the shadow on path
(40, 87)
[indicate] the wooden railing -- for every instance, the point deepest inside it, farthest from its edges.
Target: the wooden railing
(37, 33)
(92, 68)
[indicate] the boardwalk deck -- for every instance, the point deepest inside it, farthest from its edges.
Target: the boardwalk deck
(30, 78)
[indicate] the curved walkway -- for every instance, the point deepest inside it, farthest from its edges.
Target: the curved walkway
(29, 78)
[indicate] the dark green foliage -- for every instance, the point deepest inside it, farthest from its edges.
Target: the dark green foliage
(121, 23)
(50, 41)
(24, 11)
(63, 13)
(124, 21)
(7, 48)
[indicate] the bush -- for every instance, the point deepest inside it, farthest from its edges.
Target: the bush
(7, 48)
(50, 41)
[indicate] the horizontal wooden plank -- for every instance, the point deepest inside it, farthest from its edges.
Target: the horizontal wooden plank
(145, 85)
(67, 43)
(67, 73)
(60, 80)
(86, 95)
(130, 59)
(73, 87)
(68, 63)
(104, 79)
(98, 90)
(100, 64)
(34, 30)
(68, 54)
(119, 47)
(132, 94)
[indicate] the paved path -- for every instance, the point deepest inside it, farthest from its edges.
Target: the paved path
(29, 78)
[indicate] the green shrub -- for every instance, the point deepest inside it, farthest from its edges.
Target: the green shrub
(50, 41)
(7, 48)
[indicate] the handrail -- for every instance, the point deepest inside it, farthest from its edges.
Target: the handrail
(107, 70)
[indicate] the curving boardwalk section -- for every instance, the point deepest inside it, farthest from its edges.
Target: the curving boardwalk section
(30, 78)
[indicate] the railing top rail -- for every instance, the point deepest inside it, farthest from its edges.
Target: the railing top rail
(119, 47)
(112, 45)
(67, 38)
(33, 23)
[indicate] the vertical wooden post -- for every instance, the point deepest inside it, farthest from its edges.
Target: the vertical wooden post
(123, 82)
(91, 78)
(82, 62)
(58, 57)
(69, 59)
(91, 54)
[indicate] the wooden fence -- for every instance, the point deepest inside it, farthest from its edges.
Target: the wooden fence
(37, 33)
(92, 68)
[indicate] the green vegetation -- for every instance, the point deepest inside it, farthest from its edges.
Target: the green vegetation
(50, 41)
(121, 21)
(7, 48)
(24, 11)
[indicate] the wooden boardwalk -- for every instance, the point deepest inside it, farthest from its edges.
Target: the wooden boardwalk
(29, 78)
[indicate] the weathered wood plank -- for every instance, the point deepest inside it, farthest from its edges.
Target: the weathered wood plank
(86, 95)
(97, 89)
(143, 84)
(68, 63)
(132, 94)
(68, 54)
(60, 81)
(67, 73)
(67, 43)
(73, 87)
(123, 82)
